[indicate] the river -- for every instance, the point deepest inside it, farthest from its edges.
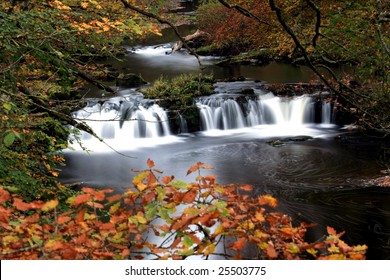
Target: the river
(316, 176)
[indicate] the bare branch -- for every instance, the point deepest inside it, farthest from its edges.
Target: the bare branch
(318, 21)
(243, 11)
(290, 32)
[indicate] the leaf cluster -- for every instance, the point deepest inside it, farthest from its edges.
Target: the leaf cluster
(161, 218)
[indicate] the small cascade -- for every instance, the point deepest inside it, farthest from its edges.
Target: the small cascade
(124, 119)
(326, 112)
(183, 124)
(224, 112)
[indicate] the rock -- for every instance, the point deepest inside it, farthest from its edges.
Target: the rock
(129, 80)
(247, 90)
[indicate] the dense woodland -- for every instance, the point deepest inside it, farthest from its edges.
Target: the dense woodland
(50, 49)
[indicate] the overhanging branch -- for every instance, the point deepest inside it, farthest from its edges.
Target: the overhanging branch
(243, 11)
(163, 21)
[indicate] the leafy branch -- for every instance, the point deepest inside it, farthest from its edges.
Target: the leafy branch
(161, 218)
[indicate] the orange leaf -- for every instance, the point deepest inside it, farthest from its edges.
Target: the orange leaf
(4, 195)
(194, 168)
(271, 252)
(88, 190)
(175, 243)
(146, 198)
(114, 198)
(268, 200)
(331, 231)
(150, 163)
(167, 179)
(20, 205)
(206, 166)
(247, 188)
(151, 179)
(81, 199)
(63, 219)
(239, 244)
(100, 195)
(95, 205)
(80, 216)
(189, 196)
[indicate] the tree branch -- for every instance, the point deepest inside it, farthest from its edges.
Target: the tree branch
(243, 11)
(163, 21)
(318, 21)
(290, 32)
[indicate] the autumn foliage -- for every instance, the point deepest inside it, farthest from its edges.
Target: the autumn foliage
(161, 218)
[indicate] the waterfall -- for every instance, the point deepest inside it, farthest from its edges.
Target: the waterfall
(224, 113)
(326, 112)
(132, 121)
(124, 119)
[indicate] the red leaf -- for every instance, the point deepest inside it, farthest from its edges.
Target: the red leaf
(239, 244)
(150, 163)
(189, 196)
(81, 199)
(146, 198)
(167, 179)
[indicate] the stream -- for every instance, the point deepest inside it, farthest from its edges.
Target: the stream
(314, 175)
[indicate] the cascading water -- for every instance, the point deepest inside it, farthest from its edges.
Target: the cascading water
(125, 121)
(221, 112)
(132, 121)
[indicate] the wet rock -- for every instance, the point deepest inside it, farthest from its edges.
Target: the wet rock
(247, 91)
(283, 141)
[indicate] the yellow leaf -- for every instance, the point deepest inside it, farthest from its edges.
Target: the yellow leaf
(141, 187)
(114, 208)
(209, 249)
(141, 219)
(50, 205)
(84, 5)
(259, 217)
(9, 239)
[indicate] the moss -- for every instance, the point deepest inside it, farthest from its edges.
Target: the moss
(179, 93)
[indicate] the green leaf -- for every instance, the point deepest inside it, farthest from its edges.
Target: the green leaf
(9, 139)
(188, 241)
(37, 240)
(179, 184)
(151, 211)
(161, 194)
(220, 204)
(7, 106)
(138, 179)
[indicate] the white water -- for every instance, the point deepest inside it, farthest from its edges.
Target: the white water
(287, 114)
(131, 122)
(125, 123)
